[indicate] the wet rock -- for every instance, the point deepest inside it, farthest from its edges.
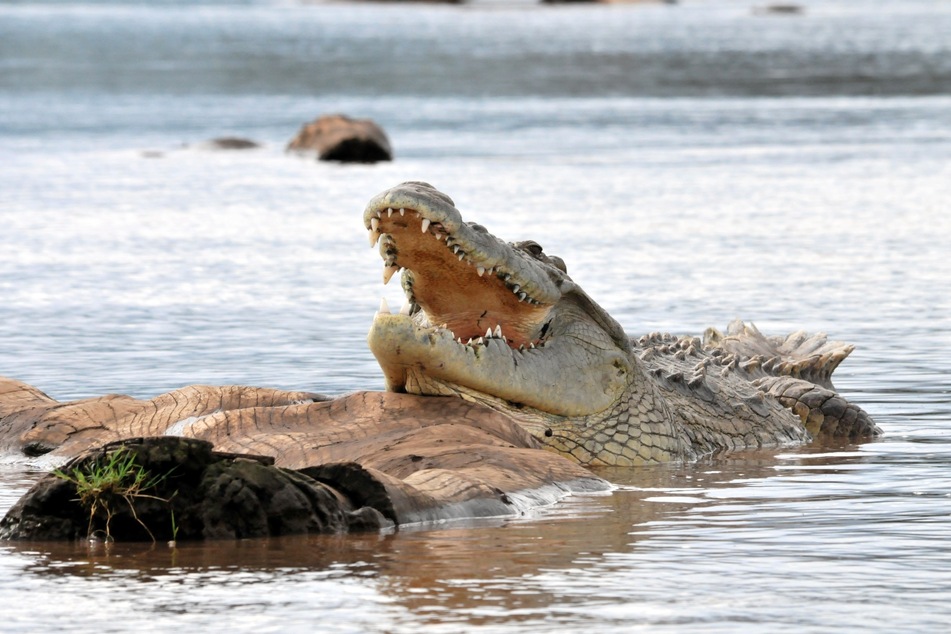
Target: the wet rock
(188, 491)
(340, 138)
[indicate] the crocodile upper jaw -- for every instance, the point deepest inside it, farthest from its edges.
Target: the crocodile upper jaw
(460, 276)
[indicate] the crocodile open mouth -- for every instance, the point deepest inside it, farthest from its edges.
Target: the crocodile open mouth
(457, 286)
(488, 320)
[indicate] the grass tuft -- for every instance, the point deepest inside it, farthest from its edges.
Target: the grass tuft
(102, 485)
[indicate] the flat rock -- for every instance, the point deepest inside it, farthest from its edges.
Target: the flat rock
(248, 462)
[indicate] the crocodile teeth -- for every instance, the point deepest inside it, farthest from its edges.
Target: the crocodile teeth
(521, 297)
(384, 307)
(375, 224)
(402, 211)
(373, 236)
(405, 309)
(388, 272)
(389, 212)
(425, 225)
(480, 270)
(498, 331)
(516, 288)
(488, 333)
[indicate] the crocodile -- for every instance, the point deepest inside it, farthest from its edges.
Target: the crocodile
(505, 381)
(502, 324)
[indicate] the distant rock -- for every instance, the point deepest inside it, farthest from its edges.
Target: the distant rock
(230, 143)
(779, 9)
(340, 138)
(609, 1)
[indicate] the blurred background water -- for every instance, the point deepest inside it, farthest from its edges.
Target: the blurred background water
(692, 163)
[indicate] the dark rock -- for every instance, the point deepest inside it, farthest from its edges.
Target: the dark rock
(196, 493)
(367, 519)
(243, 498)
(47, 512)
(340, 138)
(358, 483)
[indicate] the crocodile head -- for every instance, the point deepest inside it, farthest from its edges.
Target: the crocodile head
(491, 321)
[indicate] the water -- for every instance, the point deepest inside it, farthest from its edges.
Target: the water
(692, 164)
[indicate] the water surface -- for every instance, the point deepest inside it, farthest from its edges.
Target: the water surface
(692, 164)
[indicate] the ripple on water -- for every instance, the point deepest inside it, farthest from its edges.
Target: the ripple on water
(825, 210)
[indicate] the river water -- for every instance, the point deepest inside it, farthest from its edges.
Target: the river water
(691, 163)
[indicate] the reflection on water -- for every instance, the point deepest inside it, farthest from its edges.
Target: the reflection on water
(808, 537)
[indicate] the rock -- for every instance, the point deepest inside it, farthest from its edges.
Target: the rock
(188, 492)
(610, 1)
(231, 143)
(385, 458)
(779, 9)
(340, 138)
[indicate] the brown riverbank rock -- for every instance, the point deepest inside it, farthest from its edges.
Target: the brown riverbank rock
(340, 138)
(399, 457)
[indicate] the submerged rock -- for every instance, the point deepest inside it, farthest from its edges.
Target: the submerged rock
(230, 143)
(340, 138)
(779, 9)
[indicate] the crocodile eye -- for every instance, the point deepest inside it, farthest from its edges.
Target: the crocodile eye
(534, 248)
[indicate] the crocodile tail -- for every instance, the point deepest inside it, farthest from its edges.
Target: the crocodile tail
(822, 411)
(811, 357)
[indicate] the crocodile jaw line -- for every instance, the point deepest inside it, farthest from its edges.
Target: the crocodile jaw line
(452, 284)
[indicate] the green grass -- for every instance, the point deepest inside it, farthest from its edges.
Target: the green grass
(101, 486)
